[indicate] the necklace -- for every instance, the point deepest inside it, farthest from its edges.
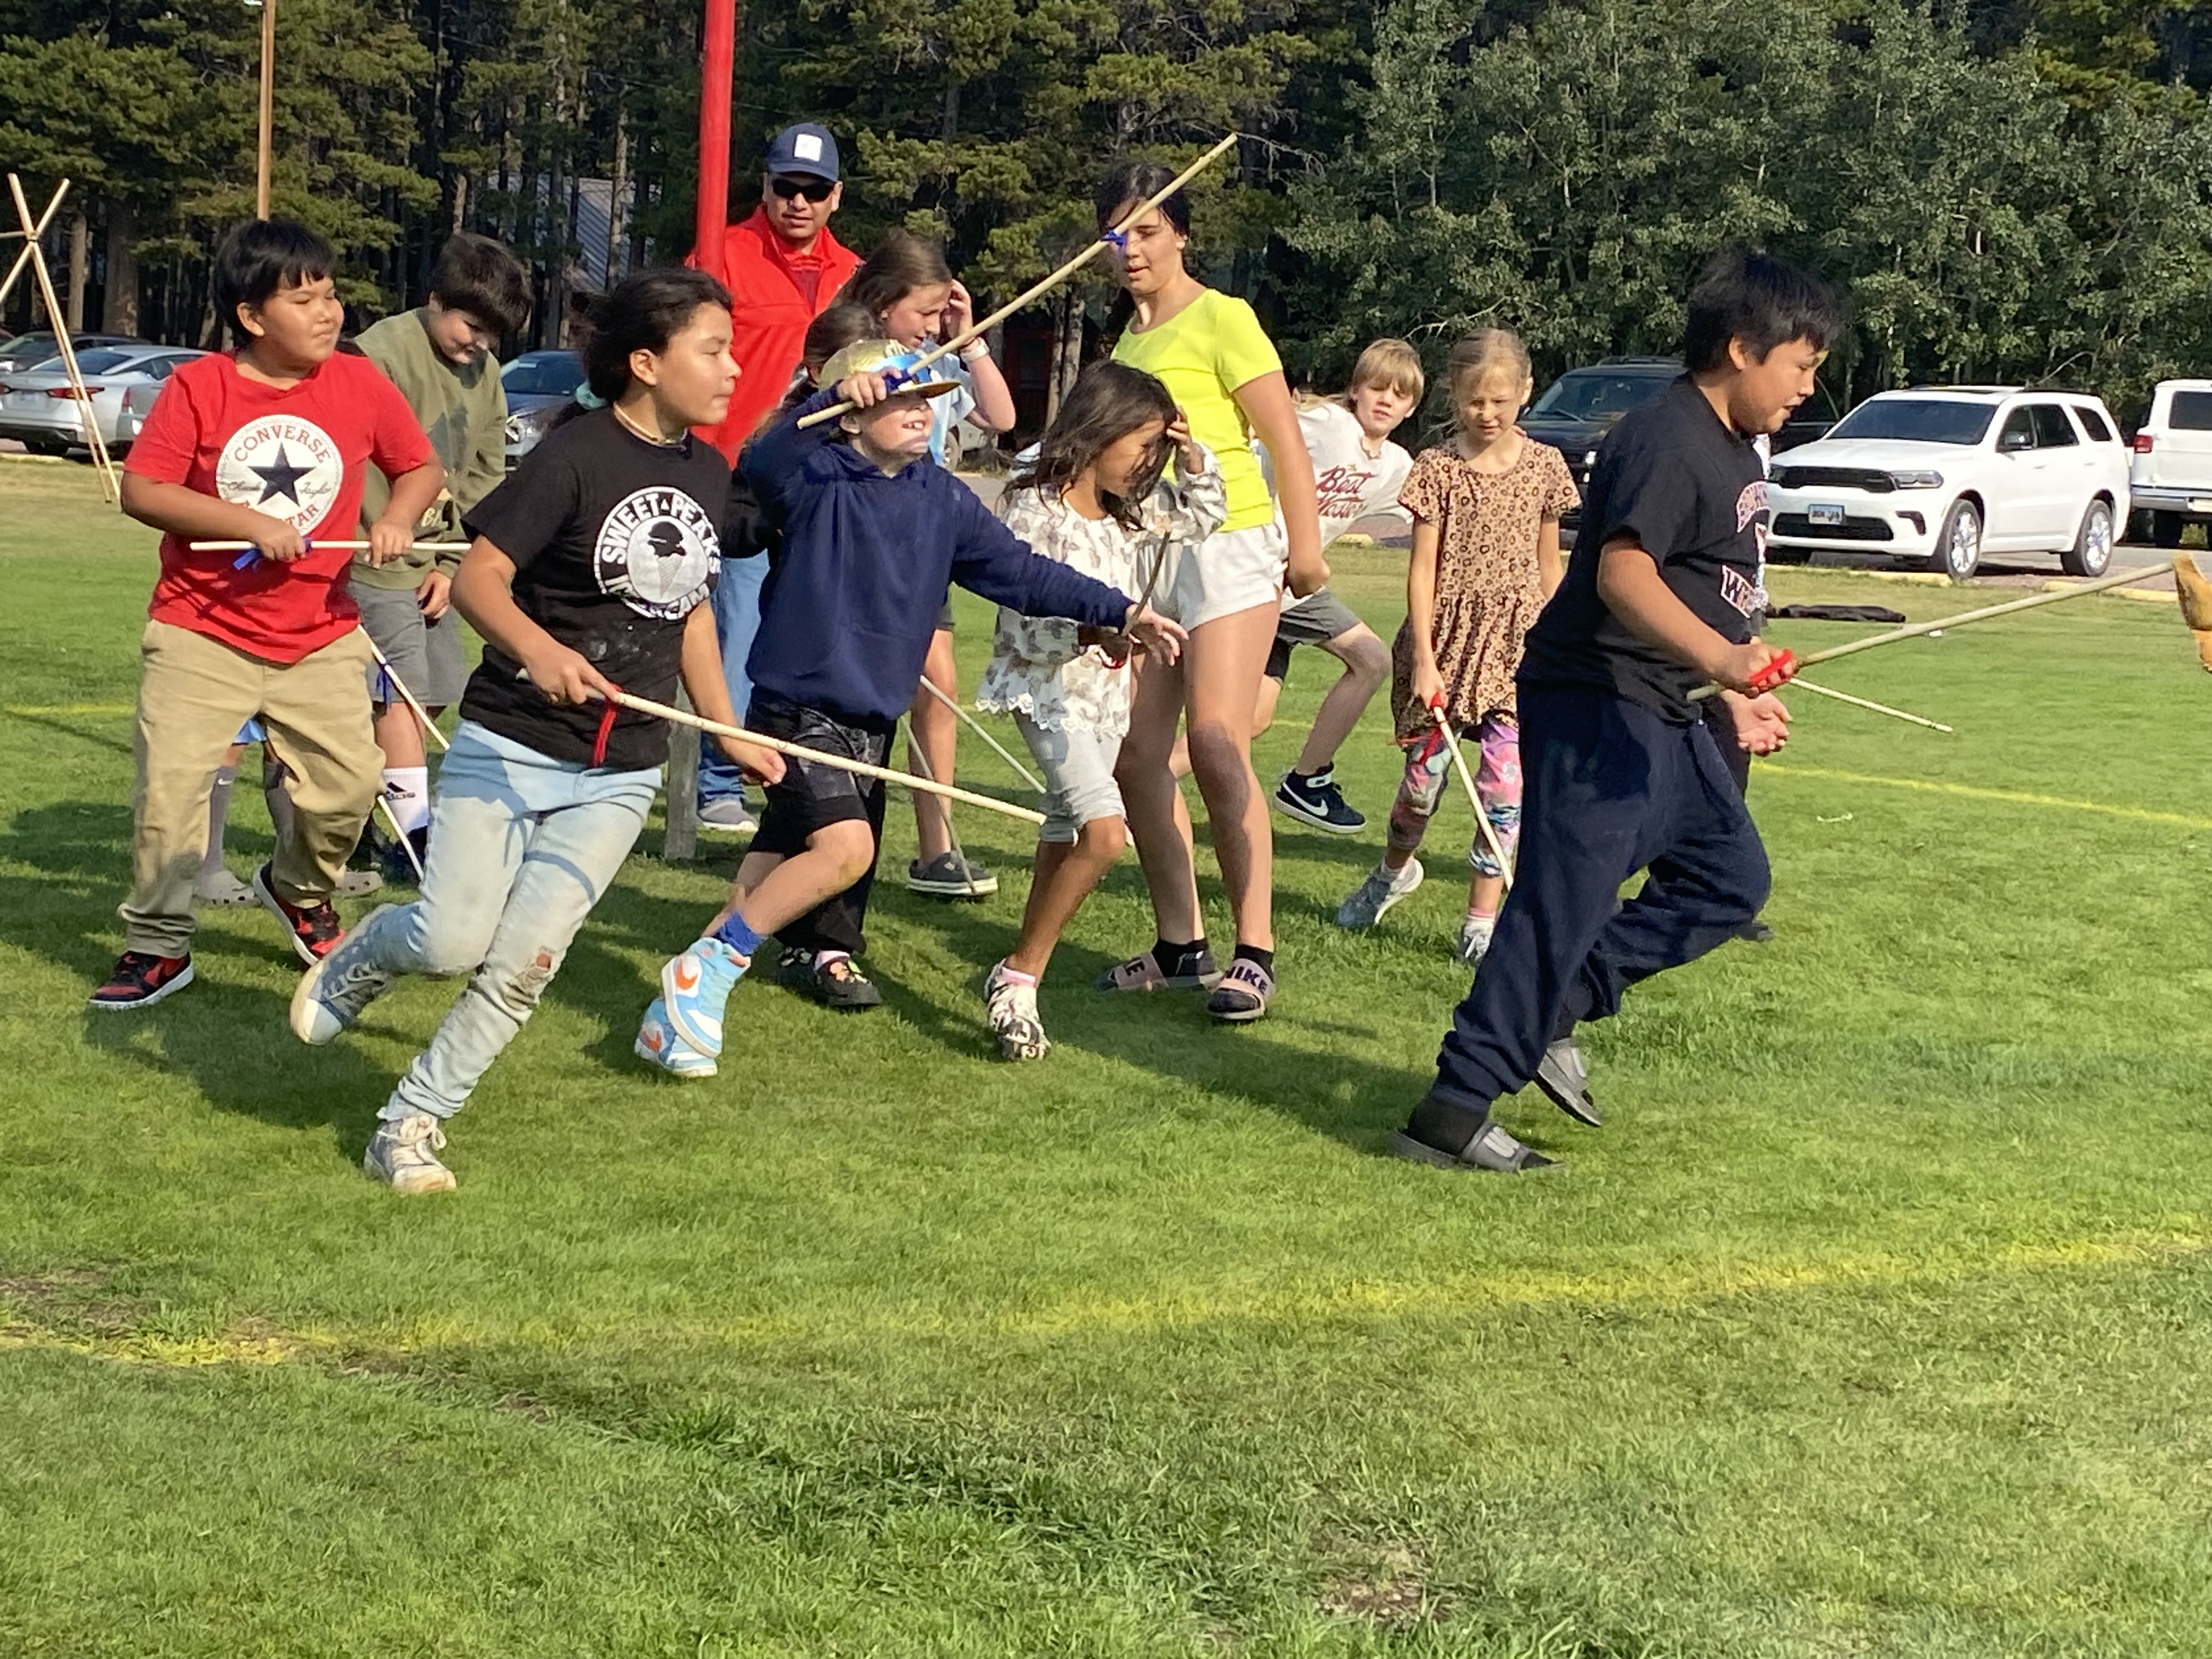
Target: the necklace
(622, 415)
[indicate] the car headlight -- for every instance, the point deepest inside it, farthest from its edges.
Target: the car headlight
(1917, 480)
(1590, 460)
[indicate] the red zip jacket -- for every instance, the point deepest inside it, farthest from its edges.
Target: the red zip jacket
(764, 277)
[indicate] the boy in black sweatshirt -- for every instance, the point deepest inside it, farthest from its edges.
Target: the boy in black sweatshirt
(873, 531)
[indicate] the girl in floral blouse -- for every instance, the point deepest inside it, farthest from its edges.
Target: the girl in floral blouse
(1486, 508)
(1093, 498)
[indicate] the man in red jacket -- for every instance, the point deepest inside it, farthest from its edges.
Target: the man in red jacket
(783, 268)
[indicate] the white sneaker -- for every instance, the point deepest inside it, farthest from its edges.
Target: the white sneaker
(1370, 901)
(1474, 936)
(404, 1155)
(1011, 1009)
(335, 992)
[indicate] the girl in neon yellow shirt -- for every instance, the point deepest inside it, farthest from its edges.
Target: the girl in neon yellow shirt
(1223, 374)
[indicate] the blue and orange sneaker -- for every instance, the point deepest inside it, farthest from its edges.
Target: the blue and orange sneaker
(696, 987)
(659, 1045)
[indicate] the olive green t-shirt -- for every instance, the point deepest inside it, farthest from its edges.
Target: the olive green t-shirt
(463, 408)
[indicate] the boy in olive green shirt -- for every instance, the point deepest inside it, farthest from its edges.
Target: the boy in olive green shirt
(440, 356)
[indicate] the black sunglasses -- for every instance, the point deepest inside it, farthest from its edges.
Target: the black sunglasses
(814, 190)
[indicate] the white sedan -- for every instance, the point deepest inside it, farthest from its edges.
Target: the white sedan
(1942, 475)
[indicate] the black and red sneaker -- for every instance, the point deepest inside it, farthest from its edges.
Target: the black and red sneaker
(140, 981)
(313, 929)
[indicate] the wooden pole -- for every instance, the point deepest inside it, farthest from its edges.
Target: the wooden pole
(110, 488)
(262, 151)
(680, 837)
(429, 727)
(23, 260)
(1025, 300)
(904, 779)
(1488, 830)
(1862, 702)
(980, 731)
(1914, 631)
(718, 68)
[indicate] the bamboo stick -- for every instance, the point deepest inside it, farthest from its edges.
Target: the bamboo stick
(23, 260)
(110, 487)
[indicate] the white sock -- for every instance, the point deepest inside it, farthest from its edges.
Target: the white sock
(407, 792)
(218, 815)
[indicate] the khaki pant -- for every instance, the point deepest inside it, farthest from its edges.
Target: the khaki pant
(196, 692)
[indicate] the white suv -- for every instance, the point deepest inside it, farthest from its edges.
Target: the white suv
(1941, 475)
(2171, 472)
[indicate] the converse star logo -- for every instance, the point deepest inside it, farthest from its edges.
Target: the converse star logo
(286, 467)
(655, 551)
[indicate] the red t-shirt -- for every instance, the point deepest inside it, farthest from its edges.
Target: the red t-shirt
(295, 454)
(777, 293)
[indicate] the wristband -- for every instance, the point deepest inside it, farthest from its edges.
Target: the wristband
(975, 350)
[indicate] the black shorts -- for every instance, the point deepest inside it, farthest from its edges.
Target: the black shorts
(811, 796)
(1314, 620)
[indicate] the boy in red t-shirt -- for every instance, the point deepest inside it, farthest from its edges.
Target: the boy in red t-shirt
(266, 445)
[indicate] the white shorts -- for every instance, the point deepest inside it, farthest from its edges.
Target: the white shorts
(1079, 776)
(1230, 571)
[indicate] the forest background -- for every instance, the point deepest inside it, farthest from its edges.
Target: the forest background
(2007, 190)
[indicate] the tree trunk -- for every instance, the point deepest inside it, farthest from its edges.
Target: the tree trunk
(120, 314)
(80, 262)
(618, 200)
(460, 202)
(1066, 352)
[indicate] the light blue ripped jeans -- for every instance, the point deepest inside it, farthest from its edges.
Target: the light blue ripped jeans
(521, 848)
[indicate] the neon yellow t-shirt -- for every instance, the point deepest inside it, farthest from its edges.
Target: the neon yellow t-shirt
(1203, 354)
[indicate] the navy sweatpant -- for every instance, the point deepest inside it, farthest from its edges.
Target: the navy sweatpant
(1607, 789)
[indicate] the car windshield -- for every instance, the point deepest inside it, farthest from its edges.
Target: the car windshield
(555, 376)
(1592, 394)
(1916, 420)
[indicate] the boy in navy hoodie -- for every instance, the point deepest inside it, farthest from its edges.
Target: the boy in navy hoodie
(873, 531)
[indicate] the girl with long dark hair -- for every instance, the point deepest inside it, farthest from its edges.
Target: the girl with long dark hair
(1223, 375)
(1093, 499)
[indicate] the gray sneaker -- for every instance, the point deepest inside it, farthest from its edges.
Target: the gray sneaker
(333, 993)
(1011, 1010)
(404, 1155)
(728, 818)
(1564, 1076)
(947, 876)
(1370, 901)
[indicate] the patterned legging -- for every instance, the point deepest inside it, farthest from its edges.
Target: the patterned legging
(1496, 780)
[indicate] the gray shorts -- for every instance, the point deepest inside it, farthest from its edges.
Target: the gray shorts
(1078, 777)
(1314, 620)
(425, 655)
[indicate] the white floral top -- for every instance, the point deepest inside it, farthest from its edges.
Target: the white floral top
(1038, 667)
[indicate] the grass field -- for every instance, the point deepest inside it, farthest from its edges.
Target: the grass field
(1875, 1323)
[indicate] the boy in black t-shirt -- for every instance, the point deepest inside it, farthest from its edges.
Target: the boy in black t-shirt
(1621, 775)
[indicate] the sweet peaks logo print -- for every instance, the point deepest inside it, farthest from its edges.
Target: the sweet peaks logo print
(655, 552)
(1750, 504)
(286, 467)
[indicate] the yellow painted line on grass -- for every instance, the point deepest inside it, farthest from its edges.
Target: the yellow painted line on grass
(27, 711)
(1973, 792)
(1466, 1294)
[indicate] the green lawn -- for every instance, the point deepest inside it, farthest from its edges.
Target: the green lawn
(1875, 1323)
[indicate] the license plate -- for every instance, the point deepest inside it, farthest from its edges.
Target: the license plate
(1825, 513)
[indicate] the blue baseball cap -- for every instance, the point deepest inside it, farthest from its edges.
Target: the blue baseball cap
(804, 148)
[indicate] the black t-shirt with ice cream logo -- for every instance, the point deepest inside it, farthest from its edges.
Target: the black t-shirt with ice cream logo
(1691, 492)
(614, 542)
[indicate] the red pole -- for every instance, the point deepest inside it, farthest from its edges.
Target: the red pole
(718, 64)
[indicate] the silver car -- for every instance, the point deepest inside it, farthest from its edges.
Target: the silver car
(38, 405)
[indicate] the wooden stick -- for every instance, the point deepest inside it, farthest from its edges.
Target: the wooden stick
(23, 260)
(980, 731)
(1023, 302)
(352, 547)
(392, 818)
(904, 780)
(1481, 818)
(1862, 702)
(429, 725)
(1914, 631)
(110, 487)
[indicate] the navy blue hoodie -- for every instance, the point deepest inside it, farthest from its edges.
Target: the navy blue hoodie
(848, 609)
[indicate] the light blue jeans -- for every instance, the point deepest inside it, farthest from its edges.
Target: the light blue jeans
(737, 624)
(521, 848)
